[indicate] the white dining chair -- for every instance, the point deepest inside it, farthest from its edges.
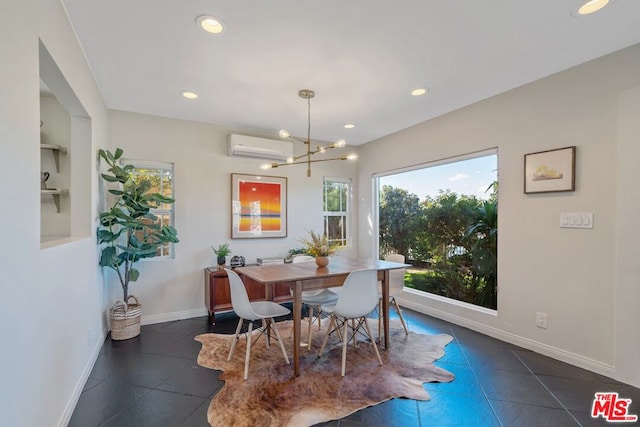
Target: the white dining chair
(252, 311)
(314, 300)
(396, 286)
(358, 298)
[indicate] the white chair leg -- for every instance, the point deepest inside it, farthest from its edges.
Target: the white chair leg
(326, 337)
(235, 340)
(373, 342)
(404, 325)
(344, 347)
(248, 353)
(275, 330)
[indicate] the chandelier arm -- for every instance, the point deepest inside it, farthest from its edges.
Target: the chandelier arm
(320, 149)
(275, 165)
(297, 139)
(327, 160)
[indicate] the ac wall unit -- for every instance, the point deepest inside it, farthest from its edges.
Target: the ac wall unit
(259, 148)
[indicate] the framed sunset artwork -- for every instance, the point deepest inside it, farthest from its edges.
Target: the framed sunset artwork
(258, 206)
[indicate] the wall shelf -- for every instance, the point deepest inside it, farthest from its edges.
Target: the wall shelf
(56, 150)
(56, 193)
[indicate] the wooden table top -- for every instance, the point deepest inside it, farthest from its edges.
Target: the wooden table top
(338, 266)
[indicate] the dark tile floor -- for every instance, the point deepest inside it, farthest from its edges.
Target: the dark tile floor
(154, 380)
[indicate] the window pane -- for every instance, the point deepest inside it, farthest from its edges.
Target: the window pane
(336, 210)
(443, 218)
(335, 229)
(335, 196)
(159, 221)
(160, 180)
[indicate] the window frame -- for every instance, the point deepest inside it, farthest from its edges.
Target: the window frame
(376, 188)
(347, 237)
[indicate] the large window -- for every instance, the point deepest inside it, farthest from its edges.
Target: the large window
(160, 177)
(336, 206)
(444, 218)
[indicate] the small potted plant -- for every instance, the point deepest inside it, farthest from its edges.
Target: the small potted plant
(318, 246)
(292, 253)
(222, 251)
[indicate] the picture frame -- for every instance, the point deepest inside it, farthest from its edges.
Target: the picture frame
(258, 206)
(550, 171)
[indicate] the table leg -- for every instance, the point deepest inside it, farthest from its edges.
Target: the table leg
(297, 319)
(385, 307)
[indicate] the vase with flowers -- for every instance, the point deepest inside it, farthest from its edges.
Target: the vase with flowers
(318, 246)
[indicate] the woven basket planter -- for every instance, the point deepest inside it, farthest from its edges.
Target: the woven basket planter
(125, 319)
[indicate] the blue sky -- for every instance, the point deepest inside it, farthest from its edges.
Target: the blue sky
(470, 177)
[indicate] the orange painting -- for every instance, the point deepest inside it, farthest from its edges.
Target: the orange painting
(260, 206)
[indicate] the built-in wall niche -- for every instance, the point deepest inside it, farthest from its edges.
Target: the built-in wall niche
(65, 158)
(55, 134)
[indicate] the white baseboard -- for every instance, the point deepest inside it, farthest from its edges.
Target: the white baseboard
(170, 317)
(544, 349)
(77, 391)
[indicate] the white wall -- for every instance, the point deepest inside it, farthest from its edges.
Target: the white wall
(51, 310)
(572, 275)
(174, 289)
(627, 291)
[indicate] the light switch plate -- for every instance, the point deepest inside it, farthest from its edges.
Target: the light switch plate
(576, 220)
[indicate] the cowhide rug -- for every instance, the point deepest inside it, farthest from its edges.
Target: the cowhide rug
(271, 396)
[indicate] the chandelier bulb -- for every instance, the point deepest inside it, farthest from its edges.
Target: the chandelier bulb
(340, 143)
(265, 166)
(352, 157)
(284, 134)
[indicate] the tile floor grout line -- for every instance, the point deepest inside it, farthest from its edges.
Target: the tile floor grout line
(473, 371)
(546, 388)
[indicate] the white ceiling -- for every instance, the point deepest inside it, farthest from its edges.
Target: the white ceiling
(361, 57)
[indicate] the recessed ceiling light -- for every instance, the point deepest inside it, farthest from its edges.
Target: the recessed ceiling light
(349, 126)
(592, 6)
(188, 94)
(210, 24)
(419, 91)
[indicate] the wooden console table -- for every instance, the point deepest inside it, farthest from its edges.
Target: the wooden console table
(217, 296)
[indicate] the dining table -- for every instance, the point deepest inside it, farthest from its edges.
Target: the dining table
(305, 276)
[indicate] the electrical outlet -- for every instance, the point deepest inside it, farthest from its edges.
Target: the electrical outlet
(541, 320)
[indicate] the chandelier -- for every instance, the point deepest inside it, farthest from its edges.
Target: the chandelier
(311, 149)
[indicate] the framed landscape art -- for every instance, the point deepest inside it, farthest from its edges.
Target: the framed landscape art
(258, 206)
(550, 171)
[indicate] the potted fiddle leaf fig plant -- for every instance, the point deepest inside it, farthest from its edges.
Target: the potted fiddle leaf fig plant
(129, 232)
